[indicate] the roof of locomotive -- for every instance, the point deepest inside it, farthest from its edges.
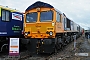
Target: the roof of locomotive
(41, 4)
(10, 9)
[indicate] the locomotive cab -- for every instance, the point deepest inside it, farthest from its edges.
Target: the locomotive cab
(40, 24)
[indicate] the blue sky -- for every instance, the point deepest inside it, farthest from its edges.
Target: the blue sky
(77, 10)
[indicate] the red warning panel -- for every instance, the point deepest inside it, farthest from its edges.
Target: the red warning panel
(14, 47)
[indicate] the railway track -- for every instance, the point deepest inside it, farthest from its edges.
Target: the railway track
(25, 55)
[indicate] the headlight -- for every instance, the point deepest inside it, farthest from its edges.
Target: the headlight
(50, 33)
(26, 33)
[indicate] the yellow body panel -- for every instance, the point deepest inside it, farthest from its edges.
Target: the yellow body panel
(59, 27)
(39, 29)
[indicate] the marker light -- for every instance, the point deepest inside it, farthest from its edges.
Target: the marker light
(50, 33)
(26, 33)
(38, 9)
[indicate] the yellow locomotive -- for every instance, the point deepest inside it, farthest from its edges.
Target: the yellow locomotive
(46, 29)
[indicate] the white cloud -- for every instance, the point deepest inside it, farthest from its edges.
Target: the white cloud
(86, 26)
(77, 10)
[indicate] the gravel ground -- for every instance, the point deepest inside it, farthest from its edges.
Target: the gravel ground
(83, 46)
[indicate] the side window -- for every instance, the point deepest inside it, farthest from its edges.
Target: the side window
(5, 15)
(58, 17)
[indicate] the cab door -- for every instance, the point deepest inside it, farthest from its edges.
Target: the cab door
(59, 25)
